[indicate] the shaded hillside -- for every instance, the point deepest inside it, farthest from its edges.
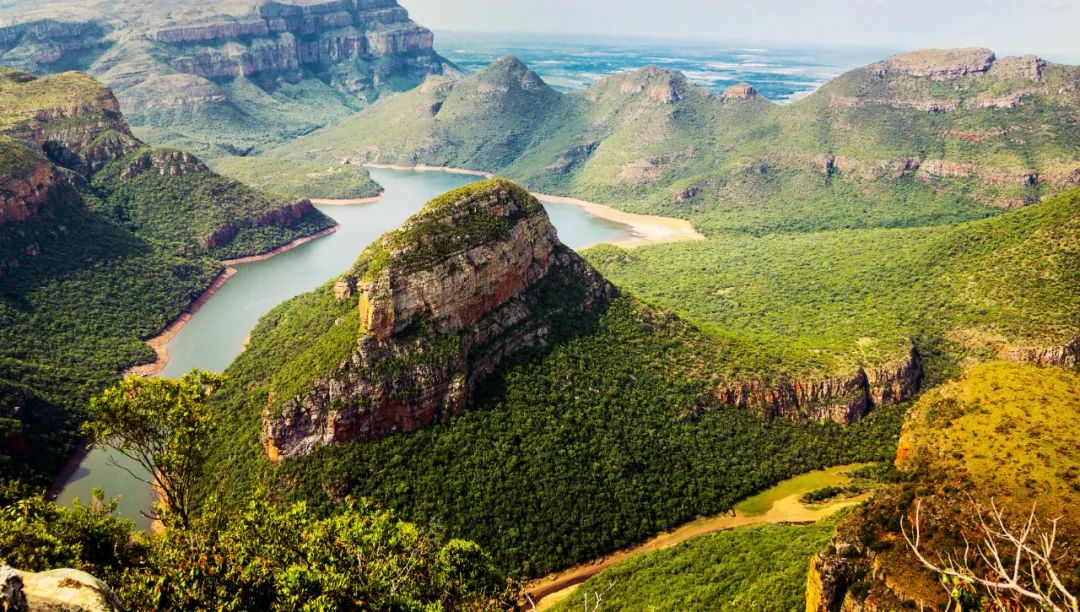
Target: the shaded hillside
(223, 77)
(925, 138)
(822, 304)
(1000, 434)
(103, 242)
(549, 419)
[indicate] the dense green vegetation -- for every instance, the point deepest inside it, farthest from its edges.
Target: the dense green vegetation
(100, 258)
(567, 455)
(75, 316)
(298, 179)
(858, 153)
(1003, 433)
(804, 304)
(264, 556)
(749, 568)
(185, 212)
(260, 555)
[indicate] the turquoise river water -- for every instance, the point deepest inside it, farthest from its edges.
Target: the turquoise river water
(215, 334)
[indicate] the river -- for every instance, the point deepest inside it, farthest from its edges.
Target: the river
(215, 334)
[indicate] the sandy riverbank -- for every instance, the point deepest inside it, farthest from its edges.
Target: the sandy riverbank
(647, 229)
(423, 168)
(547, 592)
(160, 343)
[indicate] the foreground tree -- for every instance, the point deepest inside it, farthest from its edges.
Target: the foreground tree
(163, 425)
(1015, 566)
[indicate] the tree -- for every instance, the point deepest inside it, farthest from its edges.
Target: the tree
(1018, 564)
(164, 425)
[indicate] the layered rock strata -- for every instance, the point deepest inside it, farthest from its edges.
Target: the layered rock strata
(841, 399)
(467, 283)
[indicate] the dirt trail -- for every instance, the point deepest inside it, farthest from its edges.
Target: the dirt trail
(547, 592)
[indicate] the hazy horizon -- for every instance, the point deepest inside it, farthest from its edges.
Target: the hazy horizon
(1041, 27)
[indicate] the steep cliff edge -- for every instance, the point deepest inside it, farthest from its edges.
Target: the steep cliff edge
(1024, 413)
(474, 278)
(841, 399)
(62, 133)
(225, 77)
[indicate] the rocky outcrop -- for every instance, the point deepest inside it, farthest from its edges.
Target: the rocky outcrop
(865, 170)
(841, 399)
(292, 36)
(62, 589)
(80, 132)
(35, 46)
(25, 192)
(742, 91)
(463, 285)
(163, 162)
(939, 64)
(1067, 355)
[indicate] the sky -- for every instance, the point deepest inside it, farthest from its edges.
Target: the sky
(1050, 28)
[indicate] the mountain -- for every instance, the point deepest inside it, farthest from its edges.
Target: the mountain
(477, 376)
(842, 267)
(103, 242)
(926, 138)
(225, 77)
(465, 284)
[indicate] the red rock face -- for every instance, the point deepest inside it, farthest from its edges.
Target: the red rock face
(22, 196)
(429, 335)
(842, 399)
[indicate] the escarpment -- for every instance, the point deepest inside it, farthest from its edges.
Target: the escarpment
(62, 134)
(841, 399)
(475, 278)
(71, 119)
(178, 65)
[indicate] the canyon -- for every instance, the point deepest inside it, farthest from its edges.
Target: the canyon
(168, 61)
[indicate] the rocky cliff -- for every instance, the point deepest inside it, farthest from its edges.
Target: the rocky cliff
(841, 399)
(63, 589)
(62, 134)
(170, 60)
(473, 279)
(70, 118)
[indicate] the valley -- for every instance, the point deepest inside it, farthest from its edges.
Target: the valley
(216, 334)
(321, 319)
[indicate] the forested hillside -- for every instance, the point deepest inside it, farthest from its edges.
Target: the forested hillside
(103, 242)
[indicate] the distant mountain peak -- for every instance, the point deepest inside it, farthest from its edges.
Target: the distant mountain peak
(509, 71)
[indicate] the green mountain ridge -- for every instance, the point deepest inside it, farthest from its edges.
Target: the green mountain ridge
(561, 449)
(103, 242)
(881, 146)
